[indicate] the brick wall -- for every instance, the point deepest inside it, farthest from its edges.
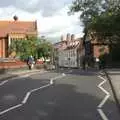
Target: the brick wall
(96, 50)
(15, 64)
(12, 64)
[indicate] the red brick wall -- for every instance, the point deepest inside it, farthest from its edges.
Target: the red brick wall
(96, 49)
(2, 47)
(15, 64)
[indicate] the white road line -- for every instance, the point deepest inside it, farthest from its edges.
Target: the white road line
(63, 74)
(101, 73)
(9, 109)
(40, 88)
(102, 78)
(102, 114)
(51, 81)
(101, 83)
(60, 76)
(103, 101)
(28, 94)
(26, 97)
(2, 83)
(106, 92)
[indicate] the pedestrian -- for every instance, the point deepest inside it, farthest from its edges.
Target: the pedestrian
(30, 62)
(103, 61)
(97, 60)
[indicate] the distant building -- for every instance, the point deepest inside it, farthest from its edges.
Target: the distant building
(98, 46)
(69, 51)
(15, 30)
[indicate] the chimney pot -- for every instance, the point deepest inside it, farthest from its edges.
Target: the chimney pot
(68, 37)
(72, 37)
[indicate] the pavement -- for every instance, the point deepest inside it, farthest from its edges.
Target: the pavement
(17, 73)
(58, 95)
(114, 76)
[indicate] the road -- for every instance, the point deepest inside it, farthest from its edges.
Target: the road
(74, 95)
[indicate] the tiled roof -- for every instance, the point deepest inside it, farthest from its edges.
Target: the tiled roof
(59, 45)
(73, 44)
(63, 45)
(7, 27)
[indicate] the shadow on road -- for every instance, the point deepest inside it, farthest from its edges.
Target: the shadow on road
(61, 102)
(13, 92)
(89, 72)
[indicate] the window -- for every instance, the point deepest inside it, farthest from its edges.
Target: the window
(74, 53)
(71, 53)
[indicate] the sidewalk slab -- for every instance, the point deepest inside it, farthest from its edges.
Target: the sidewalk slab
(6, 76)
(113, 71)
(115, 80)
(13, 74)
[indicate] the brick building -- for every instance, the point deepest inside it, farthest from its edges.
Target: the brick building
(99, 47)
(15, 30)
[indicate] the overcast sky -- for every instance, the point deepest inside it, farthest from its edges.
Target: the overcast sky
(51, 16)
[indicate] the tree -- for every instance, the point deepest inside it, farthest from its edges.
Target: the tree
(88, 9)
(101, 20)
(24, 48)
(45, 49)
(93, 10)
(106, 28)
(37, 47)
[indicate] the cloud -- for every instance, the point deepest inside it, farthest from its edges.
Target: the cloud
(51, 16)
(61, 24)
(48, 7)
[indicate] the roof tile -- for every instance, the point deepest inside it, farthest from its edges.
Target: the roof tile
(7, 27)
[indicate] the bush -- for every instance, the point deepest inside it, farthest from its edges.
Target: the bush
(115, 53)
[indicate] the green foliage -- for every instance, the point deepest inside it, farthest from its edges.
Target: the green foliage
(101, 16)
(115, 53)
(45, 49)
(107, 26)
(88, 8)
(24, 48)
(102, 19)
(32, 46)
(92, 8)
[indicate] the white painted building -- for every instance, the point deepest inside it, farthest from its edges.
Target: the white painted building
(70, 53)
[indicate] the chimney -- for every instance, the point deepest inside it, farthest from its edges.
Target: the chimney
(62, 38)
(68, 37)
(72, 37)
(35, 24)
(15, 18)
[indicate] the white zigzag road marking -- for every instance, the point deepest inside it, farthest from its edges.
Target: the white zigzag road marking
(106, 92)
(104, 80)
(2, 83)
(104, 100)
(29, 93)
(102, 114)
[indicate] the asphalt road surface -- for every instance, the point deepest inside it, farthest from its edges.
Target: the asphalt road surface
(74, 95)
